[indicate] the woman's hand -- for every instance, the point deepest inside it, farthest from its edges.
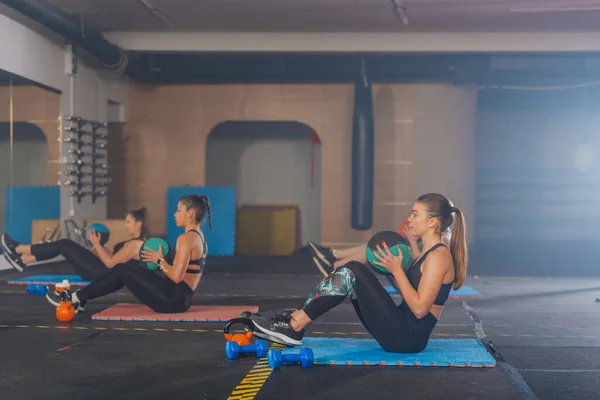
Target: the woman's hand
(93, 237)
(151, 255)
(386, 259)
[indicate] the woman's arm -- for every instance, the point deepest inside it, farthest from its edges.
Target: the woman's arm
(126, 253)
(420, 301)
(176, 272)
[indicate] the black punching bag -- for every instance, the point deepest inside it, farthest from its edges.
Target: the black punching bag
(363, 145)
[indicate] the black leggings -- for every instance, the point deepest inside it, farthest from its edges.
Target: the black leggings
(84, 262)
(395, 328)
(161, 294)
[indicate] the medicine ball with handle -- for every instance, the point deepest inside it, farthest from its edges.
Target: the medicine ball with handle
(396, 243)
(153, 244)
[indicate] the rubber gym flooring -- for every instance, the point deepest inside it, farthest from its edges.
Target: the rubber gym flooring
(545, 331)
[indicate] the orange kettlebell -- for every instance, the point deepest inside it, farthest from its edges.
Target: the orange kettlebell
(65, 312)
(242, 339)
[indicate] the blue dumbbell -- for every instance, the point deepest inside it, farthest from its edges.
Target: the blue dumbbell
(233, 349)
(37, 290)
(305, 357)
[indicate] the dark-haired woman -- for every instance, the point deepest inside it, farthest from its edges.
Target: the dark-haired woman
(86, 264)
(425, 286)
(171, 293)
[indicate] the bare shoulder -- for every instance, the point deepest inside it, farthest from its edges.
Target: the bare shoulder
(440, 258)
(187, 238)
(440, 262)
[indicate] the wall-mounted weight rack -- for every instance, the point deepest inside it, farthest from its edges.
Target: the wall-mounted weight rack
(87, 158)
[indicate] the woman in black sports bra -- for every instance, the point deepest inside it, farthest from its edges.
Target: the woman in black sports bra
(424, 287)
(173, 292)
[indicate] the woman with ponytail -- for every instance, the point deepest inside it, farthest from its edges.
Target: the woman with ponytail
(86, 264)
(168, 293)
(424, 286)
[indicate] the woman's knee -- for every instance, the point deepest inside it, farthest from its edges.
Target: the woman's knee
(65, 243)
(124, 268)
(358, 268)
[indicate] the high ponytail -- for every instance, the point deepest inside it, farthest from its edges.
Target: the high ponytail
(206, 203)
(458, 248)
(441, 208)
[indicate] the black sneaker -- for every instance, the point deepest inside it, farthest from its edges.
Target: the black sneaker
(55, 298)
(14, 260)
(278, 328)
(9, 245)
(325, 270)
(324, 254)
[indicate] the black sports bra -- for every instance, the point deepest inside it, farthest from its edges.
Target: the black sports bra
(414, 277)
(201, 262)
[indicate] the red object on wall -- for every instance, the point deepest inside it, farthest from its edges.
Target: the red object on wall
(314, 140)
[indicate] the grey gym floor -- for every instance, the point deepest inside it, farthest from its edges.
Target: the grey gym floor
(545, 330)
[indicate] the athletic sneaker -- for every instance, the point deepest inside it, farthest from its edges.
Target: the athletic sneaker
(322, 257)
(278, 329)
(55, 298)
(325, 270)
(14, 260)
(9, 245)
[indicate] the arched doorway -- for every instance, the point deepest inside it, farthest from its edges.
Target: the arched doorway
(269, 162)
(29, 160)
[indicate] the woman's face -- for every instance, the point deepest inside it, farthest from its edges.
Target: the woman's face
(131, 225)
(419, 221)
(180, 215)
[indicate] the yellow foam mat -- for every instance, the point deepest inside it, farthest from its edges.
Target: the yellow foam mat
(266, 231)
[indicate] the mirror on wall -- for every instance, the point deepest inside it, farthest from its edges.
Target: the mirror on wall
(30, 131)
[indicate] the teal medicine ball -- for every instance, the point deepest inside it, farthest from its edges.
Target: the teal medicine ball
(153, 244)
(99, 228)
(396, 243)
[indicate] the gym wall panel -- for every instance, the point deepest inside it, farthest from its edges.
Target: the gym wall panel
(327, 108)
(527, 145)
(444, 145)
(268, 162)
(40, 107)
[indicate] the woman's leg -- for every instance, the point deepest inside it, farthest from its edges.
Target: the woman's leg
(84, 262)
(357, 253)
(160, 294)
(327, 259)
(386, 322)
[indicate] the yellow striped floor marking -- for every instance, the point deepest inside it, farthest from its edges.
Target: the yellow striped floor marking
(254, 380)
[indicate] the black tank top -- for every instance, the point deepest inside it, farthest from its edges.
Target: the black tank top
(414, 277)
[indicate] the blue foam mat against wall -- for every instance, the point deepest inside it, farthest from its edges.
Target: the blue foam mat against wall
(439, 352)
(221, 239)
(26, 203)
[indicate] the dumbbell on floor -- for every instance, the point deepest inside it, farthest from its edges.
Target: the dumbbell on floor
(305, 357)
(37, 290)
(233, 349)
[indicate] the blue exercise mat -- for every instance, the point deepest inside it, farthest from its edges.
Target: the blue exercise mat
(465, 291)
(48, 280)
(439, 352)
